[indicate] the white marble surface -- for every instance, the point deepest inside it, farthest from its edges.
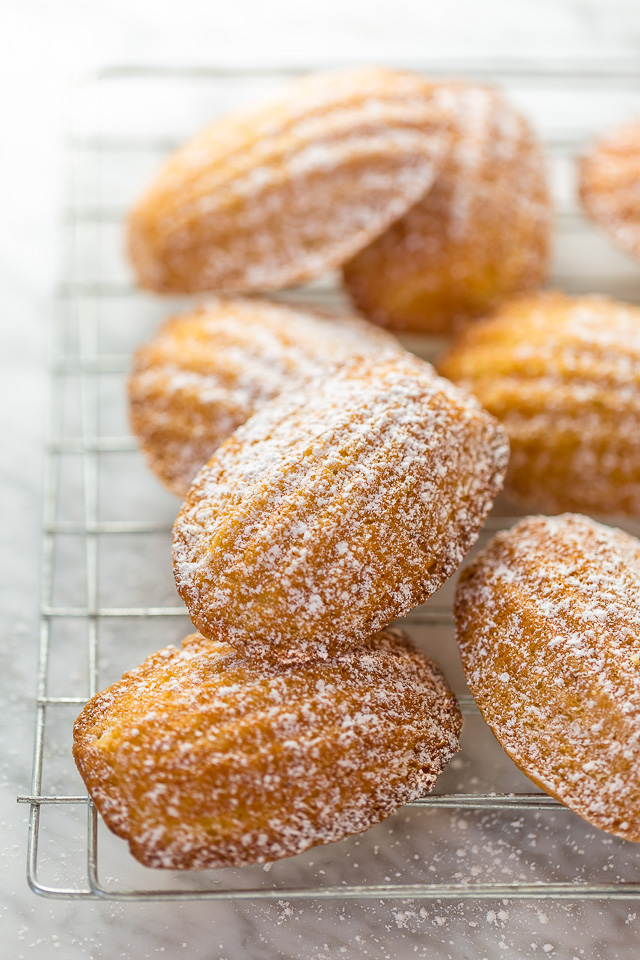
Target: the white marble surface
(45, 45)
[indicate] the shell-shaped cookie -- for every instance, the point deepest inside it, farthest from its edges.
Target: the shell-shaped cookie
(281, 193)
(479, 235)
(563, 376)
(609, 185)
(204, 373)
(201, 758)
(548, 622)
(336, 508)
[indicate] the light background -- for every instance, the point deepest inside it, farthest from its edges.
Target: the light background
(43, 45)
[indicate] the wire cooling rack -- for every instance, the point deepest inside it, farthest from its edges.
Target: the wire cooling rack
(107, 595)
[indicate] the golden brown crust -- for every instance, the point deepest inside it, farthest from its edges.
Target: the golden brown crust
(563, 376)
(337, 509)
(548, 622)
(609, 185)
(204, 373)
(200, 758)
(480, 234)
(281, 193)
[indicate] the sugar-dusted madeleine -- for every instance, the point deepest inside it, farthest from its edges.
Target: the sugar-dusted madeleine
(563, 376)
(609, 184)
(336, 508)
(280, 193)
(548, 622)
(206, 372)
(479, 235)
(202, 758)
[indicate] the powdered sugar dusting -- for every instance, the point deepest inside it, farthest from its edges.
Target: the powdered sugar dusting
(610, 186)
(482, 233)
(200, 758)
(205, 373)
(336, 508)
(554, 605)
(563, 376)
(284, 192)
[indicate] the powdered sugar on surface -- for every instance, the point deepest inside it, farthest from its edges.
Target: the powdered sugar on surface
(491, 136)
(284, 192)
(563, 376)
(553, 605)
(610, 186)
(204, 373)
(336, 508)
(201, 758)
(480, 234)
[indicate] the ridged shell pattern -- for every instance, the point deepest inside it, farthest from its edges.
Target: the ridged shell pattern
(479, 235)
(563, 376)
(201, 758)
(548, 622)
(204, 373)
(336, 508)
(281, 193)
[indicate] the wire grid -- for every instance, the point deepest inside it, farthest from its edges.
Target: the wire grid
(77, 353)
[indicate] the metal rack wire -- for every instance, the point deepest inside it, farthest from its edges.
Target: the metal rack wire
(87, 297)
